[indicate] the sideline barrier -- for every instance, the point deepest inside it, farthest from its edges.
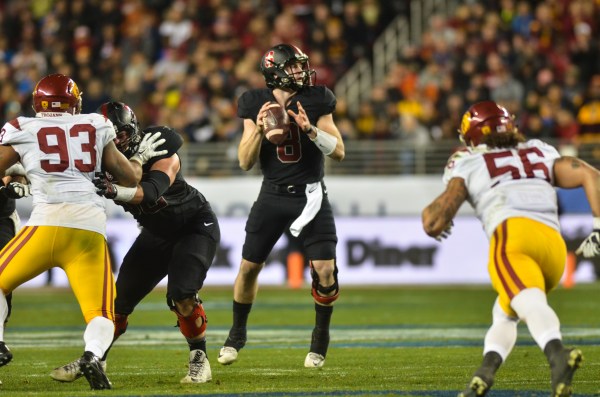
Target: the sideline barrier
(371, 250)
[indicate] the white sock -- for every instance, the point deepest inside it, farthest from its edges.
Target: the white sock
(502, 334)
(532, 307)
(98, 335)
(3, 314)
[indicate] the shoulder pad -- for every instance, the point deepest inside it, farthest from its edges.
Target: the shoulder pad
(460, 153)
(173, 141)
(458, 156)
(250, 102)
(319, 97)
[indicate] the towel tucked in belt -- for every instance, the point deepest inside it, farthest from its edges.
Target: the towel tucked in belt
(314, 197)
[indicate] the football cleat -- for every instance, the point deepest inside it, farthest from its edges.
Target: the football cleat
(5, 354)
(71, 372)
(477, 388)
(562, 369)
(314, 360)
(91, 368)
(199, 369)
(227, 355)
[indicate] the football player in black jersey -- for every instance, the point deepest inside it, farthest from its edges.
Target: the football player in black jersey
(293, 194)
(179, 237)
(13, 186)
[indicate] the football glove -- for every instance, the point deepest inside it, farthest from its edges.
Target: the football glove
(16, 190)
(446, 232)
(591, 245)
(104, 187)
(147, 148)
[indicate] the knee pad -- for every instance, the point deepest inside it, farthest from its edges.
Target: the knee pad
(319, 292)
(187, 325)
(120, 325)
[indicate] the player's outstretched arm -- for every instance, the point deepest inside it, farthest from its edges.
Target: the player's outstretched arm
(128, 173)
(571, 172)
(437, 216)
(8, 157)
(161, 176)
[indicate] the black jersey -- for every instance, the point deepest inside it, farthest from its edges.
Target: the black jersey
(7, 206)
(297, 160)
(168, 215)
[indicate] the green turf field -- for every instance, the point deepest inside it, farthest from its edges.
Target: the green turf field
(396, 341)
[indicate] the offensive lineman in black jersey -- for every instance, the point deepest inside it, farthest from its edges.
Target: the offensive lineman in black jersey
(179, 237)
(293, 194)
(13, 186)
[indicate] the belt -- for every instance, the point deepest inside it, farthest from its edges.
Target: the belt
(288, 189)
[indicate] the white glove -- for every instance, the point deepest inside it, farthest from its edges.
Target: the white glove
(446, 232)
(147, 147)
(591, 245)
(16, 190)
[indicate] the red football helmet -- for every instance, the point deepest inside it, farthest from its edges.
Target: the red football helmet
(482, 119)
(57, 93)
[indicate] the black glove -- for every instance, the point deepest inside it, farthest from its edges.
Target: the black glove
(104, 187)
(15, 190)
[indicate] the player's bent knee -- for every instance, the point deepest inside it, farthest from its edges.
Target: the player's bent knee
(321, 294)
(250, 269)
(188, 325)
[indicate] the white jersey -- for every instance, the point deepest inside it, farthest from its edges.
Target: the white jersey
(505, 183)
(61, 154)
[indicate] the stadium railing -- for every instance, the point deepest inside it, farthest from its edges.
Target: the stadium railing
(385, 157)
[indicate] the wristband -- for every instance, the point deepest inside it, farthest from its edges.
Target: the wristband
(137, 159)
(15, 169)
(124, 194)
(324, 141)
(596, 222)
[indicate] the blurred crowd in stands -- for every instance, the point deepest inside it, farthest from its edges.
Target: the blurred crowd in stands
(540, 59)
(184, 62)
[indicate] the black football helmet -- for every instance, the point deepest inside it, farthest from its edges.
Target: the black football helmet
(126, 125)
(276, 60)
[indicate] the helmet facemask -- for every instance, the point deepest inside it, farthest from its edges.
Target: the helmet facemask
(286, 67)
(127, 140)
(126, 126)
(484, 119)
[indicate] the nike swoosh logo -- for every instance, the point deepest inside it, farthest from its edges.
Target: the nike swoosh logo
(208, 223)
(313, 189)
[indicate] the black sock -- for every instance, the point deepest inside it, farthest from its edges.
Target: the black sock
(552, 348)
(491, 362)
(241, 311)
(320, 335)
(237, 333)
(197, 344)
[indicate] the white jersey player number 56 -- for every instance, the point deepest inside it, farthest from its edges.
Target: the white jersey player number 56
(521, 159)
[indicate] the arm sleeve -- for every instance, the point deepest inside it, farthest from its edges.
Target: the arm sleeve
(154, 185)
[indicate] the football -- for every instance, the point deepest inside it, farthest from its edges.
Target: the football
(276, 125)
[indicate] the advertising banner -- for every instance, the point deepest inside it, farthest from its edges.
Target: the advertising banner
(371, 250)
